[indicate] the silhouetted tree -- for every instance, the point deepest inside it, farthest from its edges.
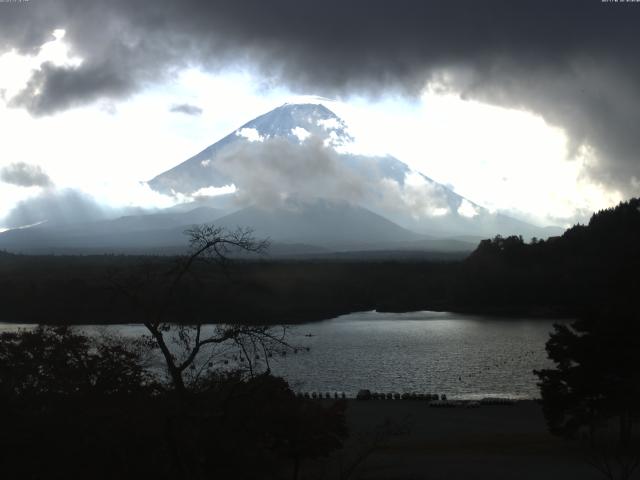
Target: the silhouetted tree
(261, 420)
(231, 423)
(78, 406)
(60, 362)
(163, 302)
(595, 387)
(73, 406)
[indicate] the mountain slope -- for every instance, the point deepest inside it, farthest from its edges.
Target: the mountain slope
(133, 232)
(301, 187)
(200, 172)
(384, 184)
(322, 223)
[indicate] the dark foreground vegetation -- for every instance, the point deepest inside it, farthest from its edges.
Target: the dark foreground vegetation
(71, 407)
(164, 405)
(77, 407)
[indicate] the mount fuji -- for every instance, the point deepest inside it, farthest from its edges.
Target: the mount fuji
(291, 176)
(283, 148)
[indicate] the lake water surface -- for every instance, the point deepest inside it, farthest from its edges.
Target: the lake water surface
(462, 356)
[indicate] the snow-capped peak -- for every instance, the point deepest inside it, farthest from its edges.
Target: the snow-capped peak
(297, 122)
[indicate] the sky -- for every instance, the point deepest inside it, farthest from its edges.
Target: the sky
(530, 110)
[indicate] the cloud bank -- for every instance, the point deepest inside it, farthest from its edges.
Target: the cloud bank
(275, 171)
(269, 172)
(56, 207)
(25, 175)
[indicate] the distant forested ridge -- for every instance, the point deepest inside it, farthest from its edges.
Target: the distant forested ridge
(79, 289)
(589, 266)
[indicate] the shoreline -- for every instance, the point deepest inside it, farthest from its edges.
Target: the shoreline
(507, 314)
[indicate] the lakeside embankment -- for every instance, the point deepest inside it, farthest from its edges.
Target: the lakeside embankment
(497, 442)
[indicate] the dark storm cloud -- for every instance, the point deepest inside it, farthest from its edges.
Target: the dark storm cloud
(25, 175)
(186, 109)
(574, 62)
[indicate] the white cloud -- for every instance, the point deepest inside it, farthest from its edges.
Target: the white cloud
(467, 209)
(301, 133)
(418, 196)
(250, 134)
(138, 194)
(329, 123)
(214, 191)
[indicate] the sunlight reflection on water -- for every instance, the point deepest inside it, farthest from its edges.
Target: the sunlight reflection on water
(462, 356)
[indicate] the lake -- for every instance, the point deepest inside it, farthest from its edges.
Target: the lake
(462, 356)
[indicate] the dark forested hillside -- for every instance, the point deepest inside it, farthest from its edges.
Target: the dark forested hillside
(84, 289)
(594, 265)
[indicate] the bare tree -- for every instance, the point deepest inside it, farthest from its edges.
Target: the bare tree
(189, 349)
(612, 459)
